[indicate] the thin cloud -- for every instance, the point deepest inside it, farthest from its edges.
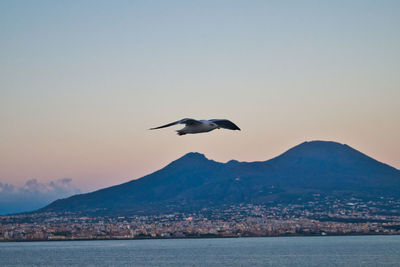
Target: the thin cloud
(34, 194)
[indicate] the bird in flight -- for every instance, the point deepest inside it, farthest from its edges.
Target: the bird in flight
(193, 126)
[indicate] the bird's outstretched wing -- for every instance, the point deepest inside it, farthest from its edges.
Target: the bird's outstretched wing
(183, 121)
(226, 124)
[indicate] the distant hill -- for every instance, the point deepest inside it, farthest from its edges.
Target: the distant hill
(193, 182)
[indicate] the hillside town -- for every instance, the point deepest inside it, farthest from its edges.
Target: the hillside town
(321, 216)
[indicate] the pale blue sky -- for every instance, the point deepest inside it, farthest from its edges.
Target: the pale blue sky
(81, 81)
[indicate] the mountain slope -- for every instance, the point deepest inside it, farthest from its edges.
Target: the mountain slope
(193, 182)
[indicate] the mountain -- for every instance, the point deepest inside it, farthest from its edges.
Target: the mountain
(193, 182)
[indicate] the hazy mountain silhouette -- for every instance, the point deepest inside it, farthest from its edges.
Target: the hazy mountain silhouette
(193, 181)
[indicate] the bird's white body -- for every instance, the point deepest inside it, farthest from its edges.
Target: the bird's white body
(205, 126)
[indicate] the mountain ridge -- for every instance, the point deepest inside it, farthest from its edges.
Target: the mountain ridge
(193, 181)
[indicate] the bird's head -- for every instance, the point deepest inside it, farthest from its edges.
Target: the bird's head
(212, 124)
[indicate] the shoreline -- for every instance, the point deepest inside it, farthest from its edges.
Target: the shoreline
(198, 237)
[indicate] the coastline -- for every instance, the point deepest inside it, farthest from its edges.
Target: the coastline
(198, 237)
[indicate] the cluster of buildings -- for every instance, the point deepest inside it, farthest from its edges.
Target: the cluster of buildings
(319, 216)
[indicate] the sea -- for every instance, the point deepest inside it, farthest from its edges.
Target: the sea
(258, 251)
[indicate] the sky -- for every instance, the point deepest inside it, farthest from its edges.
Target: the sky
(81, 82)
(33, 194)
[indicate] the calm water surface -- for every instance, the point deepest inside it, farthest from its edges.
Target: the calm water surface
(272, 251)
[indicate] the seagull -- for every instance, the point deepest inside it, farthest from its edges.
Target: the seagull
(193, 126)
